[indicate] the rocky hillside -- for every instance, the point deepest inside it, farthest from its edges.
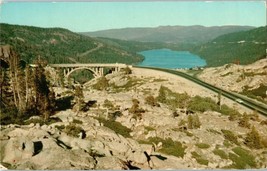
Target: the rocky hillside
(59, 45)
(251, 80)
(169, 34)
(132, 121)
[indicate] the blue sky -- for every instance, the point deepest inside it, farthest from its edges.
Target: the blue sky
(92, 16)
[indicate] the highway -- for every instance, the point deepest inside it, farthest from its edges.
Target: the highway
(262, 109)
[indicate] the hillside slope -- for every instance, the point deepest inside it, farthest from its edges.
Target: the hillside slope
(244, 47)
(59, 45)
(169, 34)
(250, 80)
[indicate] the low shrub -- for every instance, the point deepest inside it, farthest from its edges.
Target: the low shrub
(108, 104)
(169, 146)
(203, 145)
(253, 139)
(102, 84)
(150, 100)
(73, 130)
(199, 158)
(242, 159)
(230, 136)
(116, 127)
(220, 153)
(244, 121)
(76, 121)
(193, 122)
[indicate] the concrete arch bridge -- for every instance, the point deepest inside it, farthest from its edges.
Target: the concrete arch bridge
(96, 69)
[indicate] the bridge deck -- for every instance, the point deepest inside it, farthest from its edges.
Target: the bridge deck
(86, 65)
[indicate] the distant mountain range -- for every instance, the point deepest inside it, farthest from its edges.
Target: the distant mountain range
(58, 45)
(169, 34)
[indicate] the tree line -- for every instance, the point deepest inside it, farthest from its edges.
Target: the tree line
(24, 90)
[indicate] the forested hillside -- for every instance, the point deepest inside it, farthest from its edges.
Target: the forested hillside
(244, 47)
(59, 45)
(136, 46)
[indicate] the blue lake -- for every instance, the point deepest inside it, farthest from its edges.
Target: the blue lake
(166, 58)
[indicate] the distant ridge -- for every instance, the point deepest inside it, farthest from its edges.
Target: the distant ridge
(195, 34)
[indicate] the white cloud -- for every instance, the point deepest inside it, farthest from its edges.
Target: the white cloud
(208, 1)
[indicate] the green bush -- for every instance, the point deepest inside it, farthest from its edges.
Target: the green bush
(116, 127)
(193, 122)
(172, 99)
(225, 110)
(169, 146)
(73, 130)
(201, 104)
(150, 100)
(199, 158)
(242, 159)
(102, 84)
(76, 121)
(203, 145)
(136, 110)
(220, 153)
(230, 136)
(244, 121)
(253, 139)
(108, 104)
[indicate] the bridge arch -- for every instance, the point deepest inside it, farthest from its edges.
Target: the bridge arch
(95, 74)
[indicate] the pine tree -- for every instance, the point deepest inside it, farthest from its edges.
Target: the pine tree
(162, 95)
(41, 89)
(79, 98)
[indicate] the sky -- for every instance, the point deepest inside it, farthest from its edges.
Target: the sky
(93, 16)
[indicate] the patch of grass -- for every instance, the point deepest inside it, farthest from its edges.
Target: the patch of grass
(202, 104)
(41, 121)
(60, 127)
(203, 145)
(150, 100)
(230, 136)
(116, 127)
(225, 110)
(258, 93)
(253, 139)
(108, 104)
(102, 84)
(169, 146)
(242, 159)
(227, 144)
(199, 158)
(131, 84)
(220, 153)
(159, 80)
(214, 131)
(149, 128)
(193, 122)
(76, 121)
(172, 99)
(189, 134)
(73, 130)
